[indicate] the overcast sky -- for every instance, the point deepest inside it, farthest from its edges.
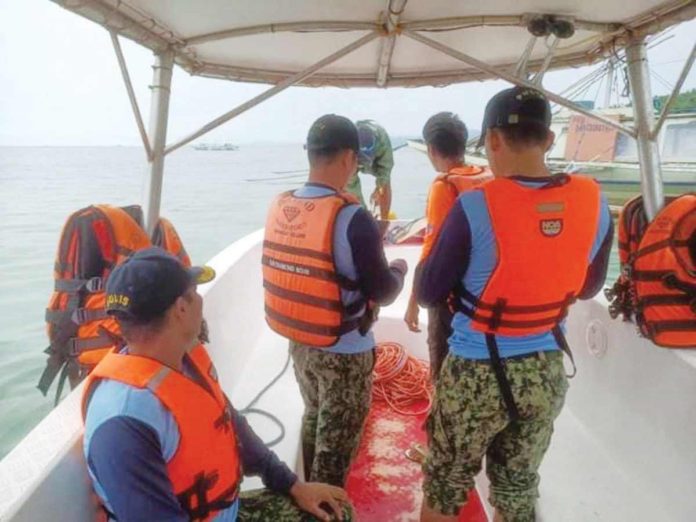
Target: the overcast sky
(60, 85)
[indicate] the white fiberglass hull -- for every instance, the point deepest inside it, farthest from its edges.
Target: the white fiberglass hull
(622, 450)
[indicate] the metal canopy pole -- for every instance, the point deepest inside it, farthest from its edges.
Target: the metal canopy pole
(388, 43)
(677, 88)
(539, 77)
(159, 115)
(131, 94)
(281, 86)
(504, 75)
(648, 151)
(521, 69)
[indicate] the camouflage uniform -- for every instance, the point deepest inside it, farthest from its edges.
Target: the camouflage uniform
(380, 168)
(468, 421)
(262, 505)
(439, 330)
(336, 389)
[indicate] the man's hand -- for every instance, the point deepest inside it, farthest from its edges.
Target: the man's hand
(400, 265)
(310, 496)
(381, 198)
(411, 317)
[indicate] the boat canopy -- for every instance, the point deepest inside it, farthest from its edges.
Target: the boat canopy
(386, 43)
(267, 41)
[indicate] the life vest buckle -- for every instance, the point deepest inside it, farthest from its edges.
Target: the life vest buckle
(94, 285)
(73, 350)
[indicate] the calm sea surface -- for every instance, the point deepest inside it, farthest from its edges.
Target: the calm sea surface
(207, 195)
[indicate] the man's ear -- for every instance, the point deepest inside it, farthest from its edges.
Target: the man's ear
(550, 139)
(494, 139)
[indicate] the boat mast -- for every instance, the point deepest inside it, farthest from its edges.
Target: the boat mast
(159, 116)
(644, 115)
(610, 83)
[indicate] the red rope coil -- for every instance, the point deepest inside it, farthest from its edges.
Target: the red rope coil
(401, 380)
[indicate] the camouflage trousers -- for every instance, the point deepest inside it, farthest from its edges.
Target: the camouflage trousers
(355, 187)
(336, 390)
(469, 420)
(262, 505)
(439, 330)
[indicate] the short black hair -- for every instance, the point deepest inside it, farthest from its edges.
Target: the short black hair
(322, 156)
(135, 330)
(447, 134)
(525, 135)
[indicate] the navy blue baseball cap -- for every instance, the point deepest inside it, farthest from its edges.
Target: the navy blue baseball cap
(332, 132)
(515, 106)
(147, 284)
(368, 143)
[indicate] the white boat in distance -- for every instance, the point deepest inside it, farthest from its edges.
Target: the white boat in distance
(215, 146)
(624, 445)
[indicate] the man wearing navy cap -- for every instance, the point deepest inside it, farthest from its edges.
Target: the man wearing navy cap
(514, 254)
(162, 441)
(324, 269)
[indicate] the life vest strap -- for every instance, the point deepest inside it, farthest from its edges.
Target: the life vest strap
(659, 245)
(501, 377)
(515, 309)
(87, 315)
(78, 346)
(318, 329)
(195, 501)
(73, 286)
(563, 345)
(657, 327)
(298, 297)
(507, 323)
(667, 300)
(304, 252)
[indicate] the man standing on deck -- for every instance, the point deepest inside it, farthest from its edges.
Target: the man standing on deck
(324, 269)
(377, 159)
(516, 252)
(162, 441)
(445, 136)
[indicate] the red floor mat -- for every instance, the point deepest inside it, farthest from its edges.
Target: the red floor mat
(383, 485)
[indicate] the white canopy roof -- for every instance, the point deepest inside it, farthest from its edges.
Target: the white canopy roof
(268, 41)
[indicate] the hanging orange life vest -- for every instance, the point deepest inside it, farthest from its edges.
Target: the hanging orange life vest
(544, 238)
(205, 470)
(166, 236)
(302, 288)
(94, 240)
(440, 202)
(658, 271)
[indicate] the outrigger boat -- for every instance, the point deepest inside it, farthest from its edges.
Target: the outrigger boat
(624, 444)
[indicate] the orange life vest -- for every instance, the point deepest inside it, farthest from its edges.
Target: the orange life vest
(544, 238)
(302, 288)
(205, 470)
(166, 236)
(658, 271)
(94, 240)
(440, 202)
(465, 178)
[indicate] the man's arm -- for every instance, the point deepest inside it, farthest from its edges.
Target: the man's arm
(444, 268)
(384, 163)
(257, 459)
(599, 264)
(126, 459)
(378, 281)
